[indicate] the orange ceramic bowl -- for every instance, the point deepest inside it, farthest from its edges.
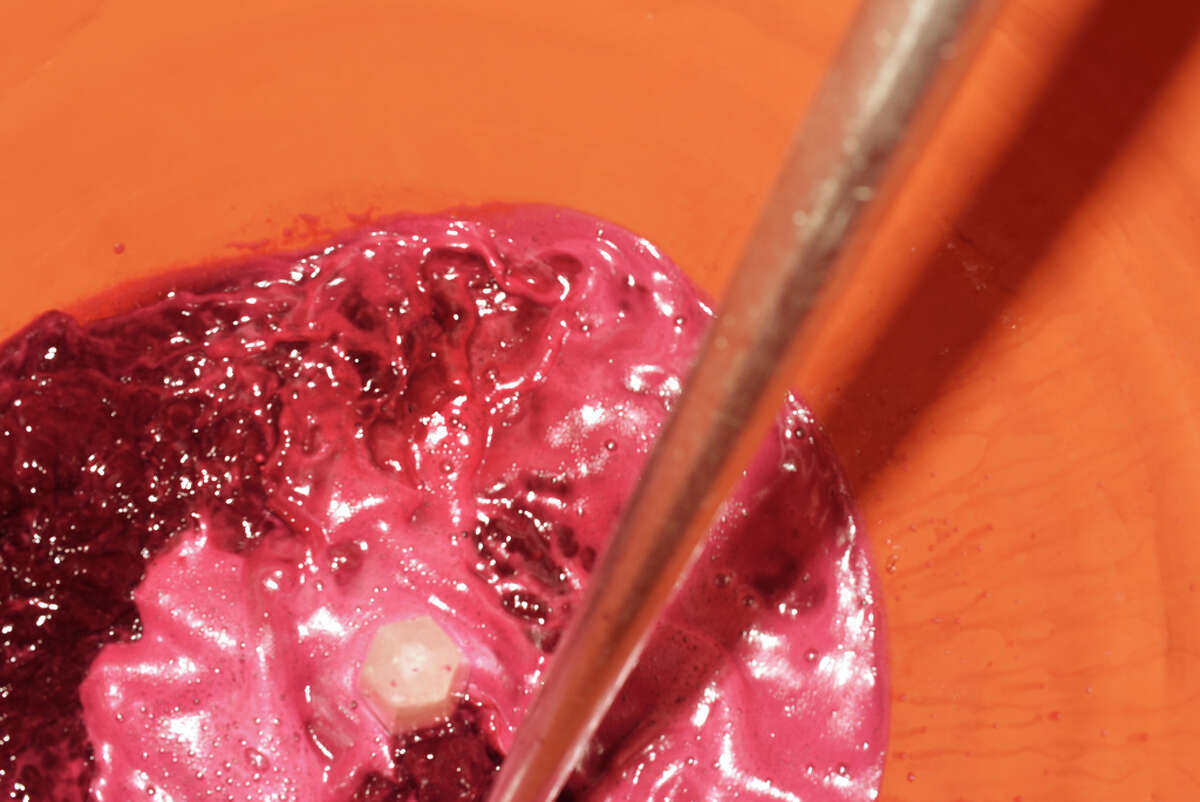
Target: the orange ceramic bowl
(1012, 383)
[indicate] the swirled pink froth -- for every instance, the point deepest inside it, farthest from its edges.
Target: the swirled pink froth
(441, 417)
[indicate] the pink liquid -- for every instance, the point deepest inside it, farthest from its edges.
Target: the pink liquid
(209, 505)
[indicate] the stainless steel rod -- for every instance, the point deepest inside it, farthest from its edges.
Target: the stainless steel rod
(884, 74)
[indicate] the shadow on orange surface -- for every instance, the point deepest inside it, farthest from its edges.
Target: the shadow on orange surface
(1109, 77)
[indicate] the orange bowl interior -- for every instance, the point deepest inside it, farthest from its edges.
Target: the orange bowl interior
(1012, 381)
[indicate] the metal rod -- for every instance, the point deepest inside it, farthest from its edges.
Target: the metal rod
(889, 69)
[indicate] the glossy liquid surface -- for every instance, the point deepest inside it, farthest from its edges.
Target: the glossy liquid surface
(211, 502)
